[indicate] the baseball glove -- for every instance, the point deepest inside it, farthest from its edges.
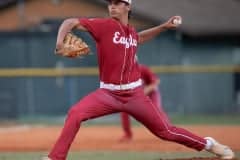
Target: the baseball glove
(73, 46)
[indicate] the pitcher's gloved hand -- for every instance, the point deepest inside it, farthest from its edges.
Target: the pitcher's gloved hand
(73, 46)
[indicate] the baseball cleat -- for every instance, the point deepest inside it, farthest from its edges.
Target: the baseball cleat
(222, 151)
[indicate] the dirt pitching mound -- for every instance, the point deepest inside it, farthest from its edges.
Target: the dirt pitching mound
(41, 138)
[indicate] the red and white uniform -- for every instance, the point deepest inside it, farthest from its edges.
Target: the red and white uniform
(116, 49)
(120, 90)
(148, 78)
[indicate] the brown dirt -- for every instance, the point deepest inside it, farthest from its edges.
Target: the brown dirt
(41, 138)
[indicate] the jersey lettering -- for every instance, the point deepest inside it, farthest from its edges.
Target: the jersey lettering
(127, 41)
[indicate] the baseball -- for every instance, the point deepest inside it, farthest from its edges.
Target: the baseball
(177, 21)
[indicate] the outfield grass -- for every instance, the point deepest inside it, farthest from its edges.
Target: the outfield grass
(233, 119)
(107, 155)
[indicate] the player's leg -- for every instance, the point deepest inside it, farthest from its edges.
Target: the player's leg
(96, 104)
(126, 125)
(143, 110)
(149, 115)
(157, 101)
(156, 98)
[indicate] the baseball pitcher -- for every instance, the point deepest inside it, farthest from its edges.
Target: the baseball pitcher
(120, 81)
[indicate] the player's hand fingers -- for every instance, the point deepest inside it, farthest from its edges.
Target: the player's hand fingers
(174, 21)
(177, 20)
(59, 49)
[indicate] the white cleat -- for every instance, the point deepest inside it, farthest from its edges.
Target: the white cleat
(222, 151)
(45, 158)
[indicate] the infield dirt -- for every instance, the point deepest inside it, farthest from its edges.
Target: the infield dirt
(41, 138)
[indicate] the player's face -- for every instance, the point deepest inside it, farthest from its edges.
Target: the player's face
(118, 9)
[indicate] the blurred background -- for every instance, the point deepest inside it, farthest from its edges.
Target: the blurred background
(198, 63)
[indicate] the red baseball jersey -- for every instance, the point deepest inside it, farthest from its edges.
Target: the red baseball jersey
(116, 48)
(147, 75)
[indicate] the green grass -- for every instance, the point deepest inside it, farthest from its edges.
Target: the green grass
(228, 119)
(206, 119)
(107, 155)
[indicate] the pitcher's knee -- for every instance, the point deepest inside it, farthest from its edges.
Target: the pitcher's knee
(167, 134)
(75, 115)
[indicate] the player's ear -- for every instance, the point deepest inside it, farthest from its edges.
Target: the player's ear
(128, 7)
